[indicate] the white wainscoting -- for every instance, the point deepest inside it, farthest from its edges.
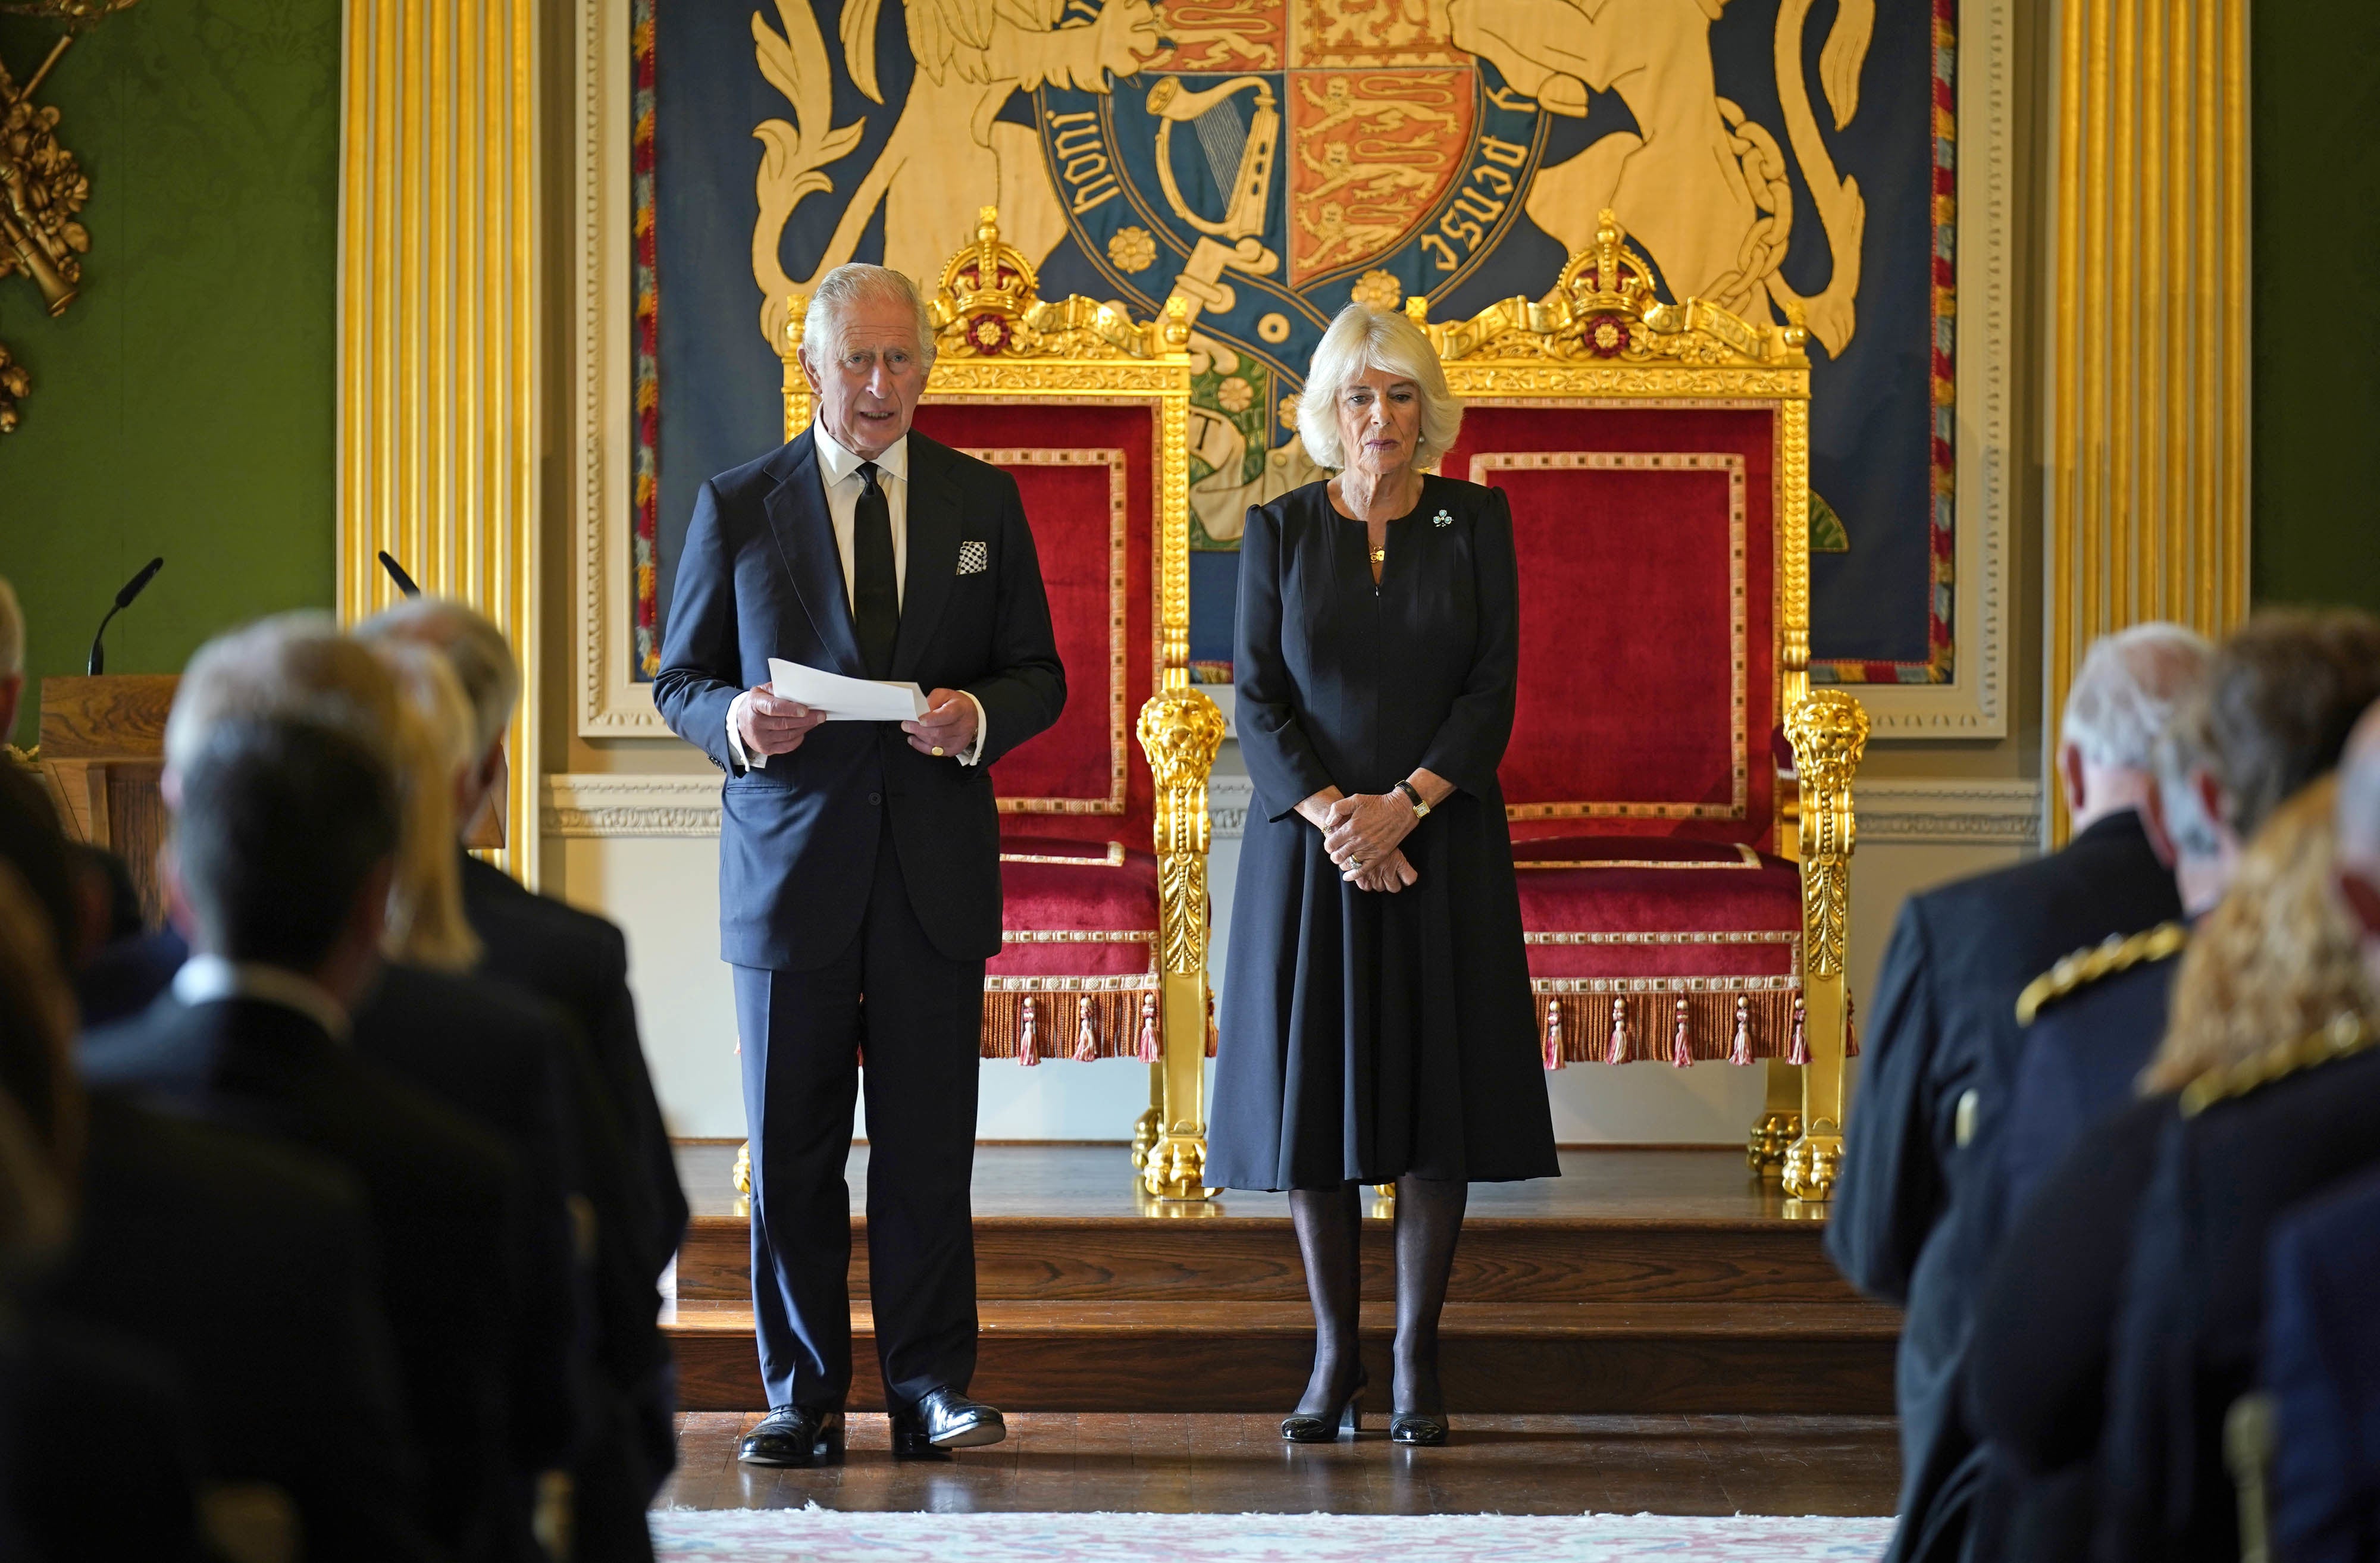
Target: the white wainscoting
(643, 850)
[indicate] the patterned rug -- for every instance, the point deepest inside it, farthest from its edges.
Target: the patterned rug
(826, 1536)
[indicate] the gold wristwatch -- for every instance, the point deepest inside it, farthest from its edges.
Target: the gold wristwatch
(1413, 796)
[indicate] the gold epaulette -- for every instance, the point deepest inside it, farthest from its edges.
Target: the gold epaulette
(2088, 964)
(2346, 1034)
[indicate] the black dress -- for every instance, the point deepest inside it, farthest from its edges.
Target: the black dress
(1363, 1034)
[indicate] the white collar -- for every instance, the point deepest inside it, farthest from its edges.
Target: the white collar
(839, 464)
(206, 979)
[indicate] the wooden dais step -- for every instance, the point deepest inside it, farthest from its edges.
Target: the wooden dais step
(1639, 1282)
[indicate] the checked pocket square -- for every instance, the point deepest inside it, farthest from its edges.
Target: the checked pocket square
(974, 558)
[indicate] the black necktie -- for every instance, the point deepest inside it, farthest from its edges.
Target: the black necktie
(875, 590)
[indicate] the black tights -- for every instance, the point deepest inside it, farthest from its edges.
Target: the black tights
(1329, 1232)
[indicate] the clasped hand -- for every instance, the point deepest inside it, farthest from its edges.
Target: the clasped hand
(1362, 835)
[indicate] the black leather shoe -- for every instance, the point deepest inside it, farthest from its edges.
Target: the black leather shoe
(794, 1435)
(943, 1420)
(1416, 1427)
(1300, 1428)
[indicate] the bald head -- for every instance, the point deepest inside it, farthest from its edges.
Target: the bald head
(2359, 834)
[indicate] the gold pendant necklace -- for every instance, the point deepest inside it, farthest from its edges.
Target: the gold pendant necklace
(1381, 555)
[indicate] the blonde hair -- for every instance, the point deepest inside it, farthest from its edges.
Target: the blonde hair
(1361, 338)
(434, 747)
(474, 647)
(297, 667)
(2275, 960)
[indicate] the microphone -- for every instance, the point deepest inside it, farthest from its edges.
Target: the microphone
(132, 588)
(396, 573)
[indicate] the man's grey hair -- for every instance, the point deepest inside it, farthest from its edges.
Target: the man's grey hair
(293, 667)
(12, 632)
(839, 290)
(2183, 750)
(475, 649)
(1362, 338)
(2359, 791)
(2129, 688)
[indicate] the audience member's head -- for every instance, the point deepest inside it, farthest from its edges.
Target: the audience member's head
(41, 1098)
(2279, 699)
(12, 657)
(2359, 837)
(2277, 957)
(446, 758)
(483, 663)
(283, 847)
(2121, 699)
(300, 667)
(2282, 695)
(32, 843)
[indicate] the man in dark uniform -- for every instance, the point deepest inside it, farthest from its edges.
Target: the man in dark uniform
(2320, 1364)
(2253, 1141)
(1945, 1041)
(2280, 698)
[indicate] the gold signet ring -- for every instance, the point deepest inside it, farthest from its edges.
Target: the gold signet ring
(938, 751)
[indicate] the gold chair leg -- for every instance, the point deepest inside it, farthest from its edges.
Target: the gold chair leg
(1779, 1124)
(1144, 1127)
(1176, 1164)
(744, 1168)
(1828, 729)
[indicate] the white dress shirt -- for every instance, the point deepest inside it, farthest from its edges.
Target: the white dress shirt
(203, 979)
(839, 475)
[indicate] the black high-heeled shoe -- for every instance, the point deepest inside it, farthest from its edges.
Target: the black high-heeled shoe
(1298, 1428)
(1417, 1428)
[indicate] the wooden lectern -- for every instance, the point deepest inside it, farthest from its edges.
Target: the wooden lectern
(103, 747)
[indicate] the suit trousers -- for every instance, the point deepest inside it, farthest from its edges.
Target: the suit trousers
(912, 1017)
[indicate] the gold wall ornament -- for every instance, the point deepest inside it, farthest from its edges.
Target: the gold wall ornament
(42, 189)
(1828, 730)
(2149, 339)
(15, 385)
(440, 424)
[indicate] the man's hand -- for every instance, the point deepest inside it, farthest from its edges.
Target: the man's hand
(774, 726)
(948, 726)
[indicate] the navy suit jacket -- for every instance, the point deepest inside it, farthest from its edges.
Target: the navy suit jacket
(760, 577)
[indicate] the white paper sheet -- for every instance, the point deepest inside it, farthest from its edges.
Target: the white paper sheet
(845, 699)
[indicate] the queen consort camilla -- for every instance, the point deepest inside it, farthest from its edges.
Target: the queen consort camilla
(1376, 1019)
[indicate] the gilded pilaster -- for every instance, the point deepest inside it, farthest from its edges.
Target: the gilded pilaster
(438, 418)
(2149, 353)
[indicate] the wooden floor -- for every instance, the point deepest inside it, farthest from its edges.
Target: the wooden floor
(1639, 1282)
(1151, 1463)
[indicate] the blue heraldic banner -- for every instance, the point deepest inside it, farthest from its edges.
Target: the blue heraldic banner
(1268, 161)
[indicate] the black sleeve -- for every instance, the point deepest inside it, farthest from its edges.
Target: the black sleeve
(1025, 695)
(1282, 766)
(1891, 1191)
(702, 667)
(1470, 743)
(2037, 1368)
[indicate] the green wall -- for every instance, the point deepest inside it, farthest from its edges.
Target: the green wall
(183, 405)
(2314, 97)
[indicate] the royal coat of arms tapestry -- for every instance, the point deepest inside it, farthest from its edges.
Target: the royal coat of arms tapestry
(1268, 161)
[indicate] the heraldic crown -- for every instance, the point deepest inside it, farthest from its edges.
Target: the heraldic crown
(1604, 306)
(989, 306)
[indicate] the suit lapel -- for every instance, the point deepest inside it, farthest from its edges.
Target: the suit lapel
(934, 519)
(805, 534)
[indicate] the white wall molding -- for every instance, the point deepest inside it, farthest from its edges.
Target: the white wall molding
(590, 803)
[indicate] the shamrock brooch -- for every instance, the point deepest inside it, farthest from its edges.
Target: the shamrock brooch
(1441, 520)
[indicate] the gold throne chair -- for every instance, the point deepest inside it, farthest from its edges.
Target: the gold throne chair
(1679, 798)
(1103, 841)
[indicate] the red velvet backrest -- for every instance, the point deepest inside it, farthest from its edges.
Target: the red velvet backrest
(1088, 474)
(1647, 548)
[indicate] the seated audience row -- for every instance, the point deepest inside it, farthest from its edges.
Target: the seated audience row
(2148, 1202)
(346, 1212)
